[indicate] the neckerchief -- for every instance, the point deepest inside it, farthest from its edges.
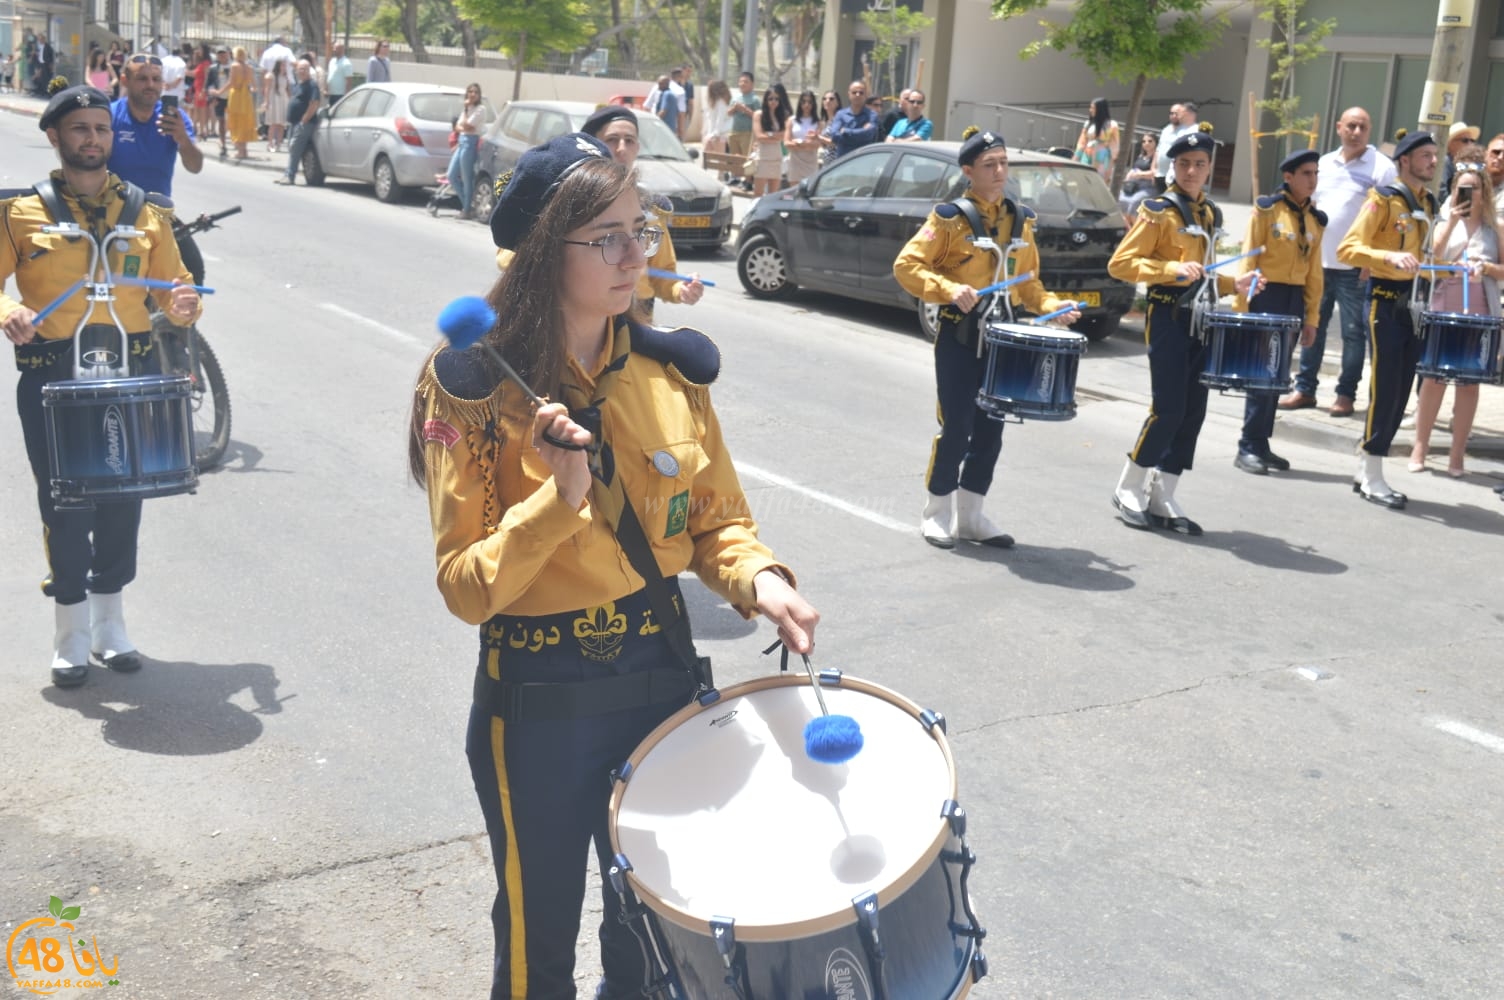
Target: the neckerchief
(606, 493)
(1303, 235)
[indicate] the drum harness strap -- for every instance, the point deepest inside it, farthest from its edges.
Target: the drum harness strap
(979, 231)
(40, 353)
(1399, 189)
(1201, 293)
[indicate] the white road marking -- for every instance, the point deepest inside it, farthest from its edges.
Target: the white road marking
(845, 506)
(356, 317)
(1487, 741)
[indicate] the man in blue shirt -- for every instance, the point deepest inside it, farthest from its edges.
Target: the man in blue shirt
(913, 126)
(855, 126)
(149, 143)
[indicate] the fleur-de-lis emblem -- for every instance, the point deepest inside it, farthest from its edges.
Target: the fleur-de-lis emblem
(600, 632)
(584, 145)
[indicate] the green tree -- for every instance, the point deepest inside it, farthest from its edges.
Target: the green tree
(1130, 42)
(1293, 43)
(527, 29)
(892, 28)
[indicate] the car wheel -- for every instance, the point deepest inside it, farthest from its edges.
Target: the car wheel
(1100, 327)
(387, 188)
(484, 198)
(763, 269)
(313, 170)
(929, 319)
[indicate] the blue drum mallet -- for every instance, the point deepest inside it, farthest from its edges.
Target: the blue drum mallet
(1041, 320)
(654, 272)
(829, 739)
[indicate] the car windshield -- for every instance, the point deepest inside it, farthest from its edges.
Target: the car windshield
(658, 142)
(1058, 190)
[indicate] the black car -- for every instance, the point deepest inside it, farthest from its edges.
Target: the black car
(840, 230)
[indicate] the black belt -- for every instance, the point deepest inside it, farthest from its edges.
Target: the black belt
(534, 702)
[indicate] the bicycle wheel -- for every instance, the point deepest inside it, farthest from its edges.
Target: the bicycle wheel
(210, 398)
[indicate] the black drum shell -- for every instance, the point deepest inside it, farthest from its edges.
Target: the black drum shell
(1031, 372)
(1461, 348)
(1249, 352)
(116, 439)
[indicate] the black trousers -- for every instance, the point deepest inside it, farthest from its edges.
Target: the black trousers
(1395, 349)
(87, 551)
(1178, 399)
(966, 450)
(544, 786)
(1259, 407)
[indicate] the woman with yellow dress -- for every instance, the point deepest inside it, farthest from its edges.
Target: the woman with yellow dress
(240, 113)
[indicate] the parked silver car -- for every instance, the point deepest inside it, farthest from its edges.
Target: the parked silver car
(392, 135)
(702, 205)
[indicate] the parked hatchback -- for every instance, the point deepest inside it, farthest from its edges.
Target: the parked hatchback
(701, 204)
(394, 136)
(840, 230)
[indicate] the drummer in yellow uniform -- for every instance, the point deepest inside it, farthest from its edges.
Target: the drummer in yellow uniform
(1389, 240)
(1289, 229)
(1169, 248)
(941, 264)
(91, 554)
(616, 126)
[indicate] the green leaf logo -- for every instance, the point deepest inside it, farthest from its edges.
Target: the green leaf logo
(54, 906)
(71, 912)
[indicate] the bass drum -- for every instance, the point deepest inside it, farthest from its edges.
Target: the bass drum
(768, 875)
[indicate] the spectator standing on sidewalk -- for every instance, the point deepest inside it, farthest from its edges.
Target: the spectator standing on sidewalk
(1182, 122)
(1343, 179)
(337, 79)
(853, 127)
(914, 126)
(744, 106)
(302, 112)
(379, 66)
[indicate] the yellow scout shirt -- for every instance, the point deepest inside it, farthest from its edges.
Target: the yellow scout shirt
(1291, 237)
(506, 542)
(1383, 226)
(664, 259)
(940, 258)
(1155, 245)
(40, 280)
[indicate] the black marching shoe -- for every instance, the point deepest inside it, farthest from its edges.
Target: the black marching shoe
(1370, 484)
(1164, 511)
(1275, 462)
(1249, 462)
(70, 677)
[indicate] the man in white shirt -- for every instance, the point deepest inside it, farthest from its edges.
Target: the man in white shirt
(174, 73)
(1343, 179)
(274, 52)
(1182, 120)
(337, 80)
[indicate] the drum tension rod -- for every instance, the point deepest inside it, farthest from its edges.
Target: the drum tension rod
(723, 932)
(955, 816)
(866, 909)
(634, 915)
(930, 719)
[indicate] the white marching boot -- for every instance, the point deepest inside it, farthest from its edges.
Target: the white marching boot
(938, 521)
(111, 646)
(70, 644)
(1164, 512)
(974, 526)
(1131, 498)
(1370, 484)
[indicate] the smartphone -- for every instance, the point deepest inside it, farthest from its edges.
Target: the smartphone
(1464, 196)
(169, 102)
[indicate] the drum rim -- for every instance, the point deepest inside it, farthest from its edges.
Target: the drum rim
(1230, 317)
(1471, 319)
(1042, 332)
(810, 926)
(97, 388)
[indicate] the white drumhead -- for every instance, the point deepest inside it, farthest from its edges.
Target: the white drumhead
(724, 815)
(1039, 336)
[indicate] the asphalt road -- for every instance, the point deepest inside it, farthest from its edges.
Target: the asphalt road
(1262, 763)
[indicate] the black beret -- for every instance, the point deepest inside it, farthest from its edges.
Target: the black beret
(1191, 142)
(603, 116)
(522, 194)
(65, 102)
(978, 144)
(1295, 161)
(1412, 142)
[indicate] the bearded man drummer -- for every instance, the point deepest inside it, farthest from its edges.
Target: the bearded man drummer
(1169, 249)
(1289, 228)
(91, 554)
(943, 264)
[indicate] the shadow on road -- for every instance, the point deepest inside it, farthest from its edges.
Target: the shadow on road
(1266, 550)
(175, 709)
(1469, 517)
(1074, 569)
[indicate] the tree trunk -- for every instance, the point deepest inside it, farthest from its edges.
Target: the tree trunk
(311, 16)
(520, 61)
(1128, 136)
(410, 30)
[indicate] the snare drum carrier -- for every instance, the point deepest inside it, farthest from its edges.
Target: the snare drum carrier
(1460, 348)
(111, 436)
(1030, 371)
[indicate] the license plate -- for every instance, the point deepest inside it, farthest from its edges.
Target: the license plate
(691, 222)
(1092, 299)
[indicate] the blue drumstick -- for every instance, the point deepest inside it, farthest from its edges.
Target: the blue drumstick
(52, 306)
(158, 283)
(1232, 260)
(1068, 307)
(1441, 267)
(1005, 284)
(653, 272)
(1465, 281)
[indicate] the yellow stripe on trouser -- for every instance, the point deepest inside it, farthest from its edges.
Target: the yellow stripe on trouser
(1373, 372)
(512, 883)
(929, 471)
(1149, 420)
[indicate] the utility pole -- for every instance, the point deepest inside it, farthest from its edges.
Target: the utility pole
(1440, 104)
(725, 39)
(749, 38)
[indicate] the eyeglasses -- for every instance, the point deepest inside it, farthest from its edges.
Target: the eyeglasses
(912, 101)
(138, 60)
(614, 246)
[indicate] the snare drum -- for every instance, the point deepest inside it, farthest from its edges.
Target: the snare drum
(1461, 348)
(115, 439)
(1249, 352)
(1031, 372)
(740, 845)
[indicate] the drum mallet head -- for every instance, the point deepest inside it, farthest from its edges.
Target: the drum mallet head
(829, 739)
